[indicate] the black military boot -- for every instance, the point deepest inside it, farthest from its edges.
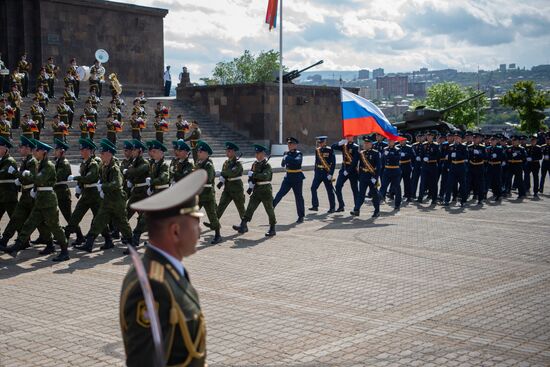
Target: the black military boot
(135, 239)
(314, 209)
(89, 245)
(217, 238)
(376, 214)
(108, 241)
(271, 231)
(3, 244)
(49, 249)
(300, 220)
(115, 234)
(354, 213)
(242, 228)
(63, 255)
(207, 225)
(18, 246)
(80, 239)
(40, 240)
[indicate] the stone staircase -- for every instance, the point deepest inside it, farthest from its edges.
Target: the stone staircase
(214, 133)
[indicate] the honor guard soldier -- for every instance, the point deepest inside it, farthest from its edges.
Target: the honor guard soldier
(476, 159)
(259, 185)
(8, 175)
(182, 127)
(369, 171)
(44, 211)
(180, 165)
(417, 164)
(392, 172)
(430, 154)
(25, 68)
(193, 139)
(325, 163)
(407, 158)
(458, 156)
(137, 181)
(545, 167)
(127, 151)
(86, 191)
(495, 160)
(294, 178)
(230, 179)
(348, 170)
(173, 219)
(516, 158)
(51, 71)
(534, 156)
(207, 197)
(61, 187)
(113, 206)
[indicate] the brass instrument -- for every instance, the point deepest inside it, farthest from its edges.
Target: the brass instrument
(115, 83)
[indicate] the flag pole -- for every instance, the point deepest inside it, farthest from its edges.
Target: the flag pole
(280, 71)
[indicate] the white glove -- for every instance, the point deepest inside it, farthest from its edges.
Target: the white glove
(342, 142)
(102, 194)
(149, 192)
(26, 173)
(250, 173)
(129, 184)
(402, 154)
(222, 179)
(476, 151)
(218, 173)
(373, 180)
(33, 193)
(11, 169)
(251, 185)
(78, 190)
(425, 159)
(17, 182)
(494, 155)
(514, 154)
(329, 177)
(529, 159)
(418, 159)
(70, 178)
(99, 187)
(346, 173)
(124, 171)
(148, 181)
(503, 164)
(453, 155)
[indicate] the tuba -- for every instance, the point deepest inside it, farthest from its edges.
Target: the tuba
(115, 83)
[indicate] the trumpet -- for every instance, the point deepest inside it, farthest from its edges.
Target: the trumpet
(18, 77)
(115, 83)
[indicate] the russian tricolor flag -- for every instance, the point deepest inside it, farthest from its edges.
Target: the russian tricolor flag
(271, 15)
(362, 117)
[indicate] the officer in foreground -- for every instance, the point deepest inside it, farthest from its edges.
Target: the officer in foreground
(174, 229)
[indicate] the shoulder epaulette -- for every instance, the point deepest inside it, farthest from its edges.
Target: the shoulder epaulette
(424, 142)
(374, 150)
(156, 271)
(435, 143)
(415, 143)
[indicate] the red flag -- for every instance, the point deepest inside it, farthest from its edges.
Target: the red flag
(271, 16)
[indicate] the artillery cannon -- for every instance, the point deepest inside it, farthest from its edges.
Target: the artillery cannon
(291, 75)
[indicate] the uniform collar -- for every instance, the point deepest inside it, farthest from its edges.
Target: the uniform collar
(173, 261)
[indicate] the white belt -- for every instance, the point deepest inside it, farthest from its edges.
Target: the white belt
(207, 185)
(88, 186)
(44, 188)
(234, 179)
(7, 181)
(158, 187)
(25, 187)
(141, 184)
(263, 183)
(62, 183)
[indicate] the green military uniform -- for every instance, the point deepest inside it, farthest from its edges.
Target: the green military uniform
(193, 140)
(45, 209)
(8, 189)
(181, 129)
(179, 168)
(159, 131)
(124, 165)
(5, 129)
(136, 128)
(83, 126)
(111, 132)
(63, 111)
(61, 188)
(207, 197)
(26, 128)
(182, 323)
(58, 131)
(233, 190)
(137, 175)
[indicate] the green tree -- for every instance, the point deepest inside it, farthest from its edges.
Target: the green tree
(246, 68)
(529, 103)
(444, 95)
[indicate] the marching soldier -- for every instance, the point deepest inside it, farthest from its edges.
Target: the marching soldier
(8, 175)
(443, 165)
(87, 190)
(294, 178)
(182, 127)
(369, 171)
(230, 179)
(417, 166)
(59, 129)
(61, 187)
(476, 159)
(534, 156)
(24, 67)
(348, 170)
(44, 211)
(173, 220)
(259, 185)
(406, 162)
(430, 157)
(180, 165)
(207, 198)
(51, 71)
(70, 99)
(194, 138)
(392, 172)
(97, 77)
(545, 167)
(495, 160)
(458, 156)
(516, 158)
(325, 163)
(126, 163)
(113, 206)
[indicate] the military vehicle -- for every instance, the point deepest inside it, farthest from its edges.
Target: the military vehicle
(291, 75)
(422, 118)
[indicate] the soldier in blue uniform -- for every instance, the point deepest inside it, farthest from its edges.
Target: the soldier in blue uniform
(348, 170)
(458, 154)
(444, 165)
(430, 158)
(369, 171)
(417, 163)
(407, 157)
(392, 172)
(495, 161)
(545, 167)
(534, 156)
(476, 159)
(516, 158)
(294, 178)
(325, 163)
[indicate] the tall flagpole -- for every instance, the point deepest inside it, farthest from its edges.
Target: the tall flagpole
(280, 71)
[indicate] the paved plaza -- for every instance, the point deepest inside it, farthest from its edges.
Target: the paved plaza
(426, 286)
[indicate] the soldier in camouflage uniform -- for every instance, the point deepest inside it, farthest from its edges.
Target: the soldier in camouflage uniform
(230, 178)
(259, 184)
(180, 165)
(207, 197)
(8, 175)
(45, 209)
(113, 205)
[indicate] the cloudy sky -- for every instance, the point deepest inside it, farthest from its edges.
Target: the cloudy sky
(398, 35)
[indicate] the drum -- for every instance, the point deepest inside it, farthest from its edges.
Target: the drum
(83, 73)
(4, 71)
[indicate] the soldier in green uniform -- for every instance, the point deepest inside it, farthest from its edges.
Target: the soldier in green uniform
(182, 127)
(83, 127)
(230, 178)
(194, 138)
(126, 163)
(86, 190)
(174, 223)
(259, 183)
(8, 175)
(26, 127)
(61, 187)
(44, 211)
(180, 165)
(113, 205)
(5, 127)
(207, 197)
